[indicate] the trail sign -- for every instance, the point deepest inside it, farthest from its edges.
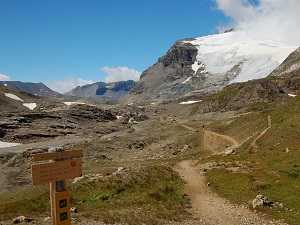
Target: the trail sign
(57, 155)
(55, 171)
(60, 166)
(62, 200)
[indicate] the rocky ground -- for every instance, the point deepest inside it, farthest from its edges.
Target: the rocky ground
(124, 134)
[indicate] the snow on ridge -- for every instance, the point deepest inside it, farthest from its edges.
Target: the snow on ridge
(188, 102)
(8, 144)
(73, 103)
(221, 52)
(13, 96)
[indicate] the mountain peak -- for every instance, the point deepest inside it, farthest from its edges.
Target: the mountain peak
(209, 63)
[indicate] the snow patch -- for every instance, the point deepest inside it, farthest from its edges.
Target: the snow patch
(291, 95)
(30, 105)
(74, 103)
(8, 144)
(189, 102)
(12, 96)
(186, 80)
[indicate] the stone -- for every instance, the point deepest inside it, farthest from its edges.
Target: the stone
(21, 219)
(74, 210)
(261, 200)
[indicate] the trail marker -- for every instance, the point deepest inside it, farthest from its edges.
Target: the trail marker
(59, 167)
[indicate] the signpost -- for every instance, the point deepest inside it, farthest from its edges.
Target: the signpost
(59, 167)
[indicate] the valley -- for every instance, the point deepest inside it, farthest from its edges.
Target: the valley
(156, 170)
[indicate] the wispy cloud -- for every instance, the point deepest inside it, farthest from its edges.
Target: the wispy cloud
(120, 73)
(273, 19)
(67, 84)
(4, 77)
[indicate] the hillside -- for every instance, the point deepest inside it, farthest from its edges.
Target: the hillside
(12, 100)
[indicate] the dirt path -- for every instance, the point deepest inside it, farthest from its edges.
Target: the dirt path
(207, 207)
(216, 143)
(253, 143)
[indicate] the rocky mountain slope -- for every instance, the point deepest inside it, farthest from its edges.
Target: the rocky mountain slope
(207, 64)
(101, 91)
(33, 88)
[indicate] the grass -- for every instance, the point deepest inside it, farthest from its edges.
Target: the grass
(273, 171)
(29, 201)
(147, 195)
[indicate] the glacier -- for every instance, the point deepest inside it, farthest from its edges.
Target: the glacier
(252, 58)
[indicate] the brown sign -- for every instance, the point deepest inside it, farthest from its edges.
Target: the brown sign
(56, 171)
(57, 155)
(62, 200)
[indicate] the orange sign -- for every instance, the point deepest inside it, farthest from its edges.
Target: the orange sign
(57, 155)
(62, 200)
(56, 171)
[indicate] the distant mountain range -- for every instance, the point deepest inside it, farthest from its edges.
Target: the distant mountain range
(192, 67)
(102, 91)
(38, 89)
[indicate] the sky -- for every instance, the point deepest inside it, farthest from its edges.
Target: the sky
(67, 43)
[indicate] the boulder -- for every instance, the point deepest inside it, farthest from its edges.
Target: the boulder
(261, 200)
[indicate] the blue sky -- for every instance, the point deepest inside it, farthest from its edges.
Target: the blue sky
(51, 40)
(65, 43)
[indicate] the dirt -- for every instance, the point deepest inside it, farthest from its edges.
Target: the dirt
(217, 143)
(253, 143)
(207, 207)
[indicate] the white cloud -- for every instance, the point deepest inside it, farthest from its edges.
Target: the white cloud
(67, 84)
(269, 19)
(120, 73)
(4, 77)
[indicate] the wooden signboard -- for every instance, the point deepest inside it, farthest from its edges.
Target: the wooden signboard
(57, 155)
(59, 167)
(55, 171)
(62, 200)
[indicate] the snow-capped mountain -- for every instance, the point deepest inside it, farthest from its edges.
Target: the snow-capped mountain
(207, 64)
(238, 56)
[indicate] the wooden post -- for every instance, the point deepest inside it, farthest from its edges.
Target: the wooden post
(60, 165)
(52, 202)
(55, 186)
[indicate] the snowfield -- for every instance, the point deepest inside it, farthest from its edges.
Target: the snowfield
(220, 53)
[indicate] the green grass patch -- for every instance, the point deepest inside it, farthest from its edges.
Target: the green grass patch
(274, 168)
(147, 195)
